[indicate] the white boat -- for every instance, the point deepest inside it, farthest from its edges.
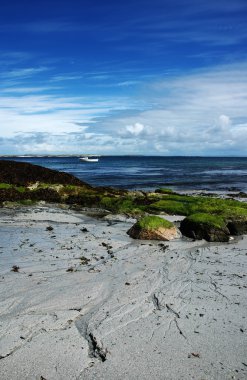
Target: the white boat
(89, 159)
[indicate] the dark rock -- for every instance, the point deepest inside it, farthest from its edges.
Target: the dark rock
(12, 195)
(15, 268)
(237, 227)
(83, 200)
(143, 201)
(24, 174)
(241, 194)
(70, 269)
(84, 229)
(48, 195)
(205, 231)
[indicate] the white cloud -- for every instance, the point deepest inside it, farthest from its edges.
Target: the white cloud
(224, 121)
(135, 129)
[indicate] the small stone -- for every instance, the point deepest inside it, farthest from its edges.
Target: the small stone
(15, 268)
(70, 269)
(84, 229)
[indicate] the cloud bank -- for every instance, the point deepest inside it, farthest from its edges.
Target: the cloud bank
(203, 113)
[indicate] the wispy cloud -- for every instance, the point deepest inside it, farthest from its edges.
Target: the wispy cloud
(45, 26)
(50, 26)
(206, 23)
(9, 58)
(65, 77)
(27, 90)
(23, 72)
(128, 83)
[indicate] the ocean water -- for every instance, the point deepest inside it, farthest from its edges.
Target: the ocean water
(148, 173)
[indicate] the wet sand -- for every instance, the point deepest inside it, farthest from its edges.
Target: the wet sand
(88, 302)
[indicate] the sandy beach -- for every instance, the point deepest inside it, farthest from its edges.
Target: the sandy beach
(81, 300)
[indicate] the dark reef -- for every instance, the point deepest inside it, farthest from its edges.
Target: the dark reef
(24, 174)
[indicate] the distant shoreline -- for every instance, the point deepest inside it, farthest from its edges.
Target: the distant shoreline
(108, 155)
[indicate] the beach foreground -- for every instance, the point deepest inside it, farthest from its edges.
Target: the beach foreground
(81, 300)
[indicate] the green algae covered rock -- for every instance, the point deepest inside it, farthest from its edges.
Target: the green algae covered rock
(205, 226)
(153, 228)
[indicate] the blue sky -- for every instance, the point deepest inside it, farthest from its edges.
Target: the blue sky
(161, 77)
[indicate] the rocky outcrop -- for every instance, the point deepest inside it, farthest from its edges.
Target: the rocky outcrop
(198, 230)
(24, 174)
(47, 195)
(11, 195)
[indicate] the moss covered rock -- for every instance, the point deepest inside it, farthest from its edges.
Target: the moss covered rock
(24, 174)
(153, 228)
(205, 226)
(11, 194)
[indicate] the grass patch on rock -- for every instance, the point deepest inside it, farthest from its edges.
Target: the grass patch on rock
(189, 205)
(210, 220)
(27, 202)
(152, 222)
(170, 207)
(153, 228)
(5, 186)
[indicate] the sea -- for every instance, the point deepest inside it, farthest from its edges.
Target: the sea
(148, 173)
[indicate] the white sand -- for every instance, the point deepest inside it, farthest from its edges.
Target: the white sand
(137, 310)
